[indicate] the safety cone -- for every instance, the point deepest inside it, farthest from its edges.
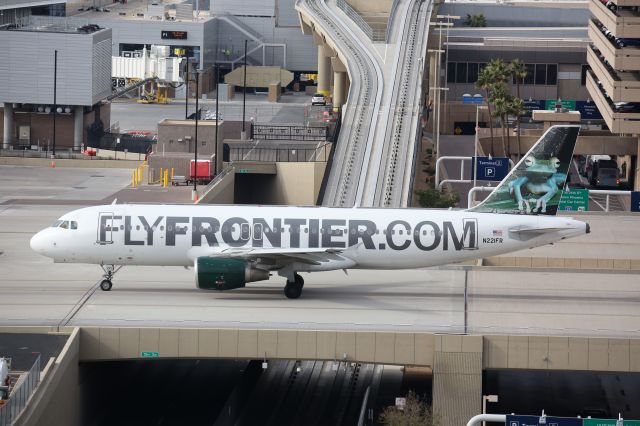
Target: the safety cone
(53, 164)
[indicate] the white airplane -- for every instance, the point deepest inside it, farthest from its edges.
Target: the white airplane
(231, 245)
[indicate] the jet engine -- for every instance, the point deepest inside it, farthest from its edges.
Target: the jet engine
(225, 274)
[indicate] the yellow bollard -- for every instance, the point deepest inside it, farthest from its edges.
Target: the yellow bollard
(166, 178)
(133, 179)
(172, 173)
(161, 176)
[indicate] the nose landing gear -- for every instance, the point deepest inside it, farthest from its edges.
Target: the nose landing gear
(293, 289)
(109, 272)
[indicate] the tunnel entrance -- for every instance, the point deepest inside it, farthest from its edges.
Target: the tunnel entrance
(240, 392)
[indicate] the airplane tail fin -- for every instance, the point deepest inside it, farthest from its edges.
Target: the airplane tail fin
(534, 185)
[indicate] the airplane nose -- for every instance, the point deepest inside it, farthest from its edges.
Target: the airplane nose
(37, 242)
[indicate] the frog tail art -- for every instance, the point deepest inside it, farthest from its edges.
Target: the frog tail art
(537, 178)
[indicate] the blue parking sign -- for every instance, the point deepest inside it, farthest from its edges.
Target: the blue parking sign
(493, 169)
(635, 201)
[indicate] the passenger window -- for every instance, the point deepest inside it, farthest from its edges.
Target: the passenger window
(74, 224)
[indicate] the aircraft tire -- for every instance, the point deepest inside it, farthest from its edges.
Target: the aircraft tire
(106, 285)
(299, 281)
(292, 290)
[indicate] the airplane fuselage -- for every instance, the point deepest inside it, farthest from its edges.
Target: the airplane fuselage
(176, 235)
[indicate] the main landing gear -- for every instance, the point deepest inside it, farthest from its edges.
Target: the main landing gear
(293, 289)
(109, 272)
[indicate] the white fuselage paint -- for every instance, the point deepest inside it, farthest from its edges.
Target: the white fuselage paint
(364, 237)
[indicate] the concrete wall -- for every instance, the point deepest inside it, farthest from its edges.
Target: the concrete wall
(45, 162)
(368, 6)
(56, 400)
(562, 353)
(103, 343)
(84, 67)
(297, 183)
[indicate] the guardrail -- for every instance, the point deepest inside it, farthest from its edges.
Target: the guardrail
(287, 155)
(375, 34)
(20, 395)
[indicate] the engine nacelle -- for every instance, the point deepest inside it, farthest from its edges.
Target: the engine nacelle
(225, 274)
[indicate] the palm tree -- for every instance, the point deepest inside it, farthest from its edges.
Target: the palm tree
(485, 82)
(516, 107)
(519, 72)
(475, 20)
(501, 100)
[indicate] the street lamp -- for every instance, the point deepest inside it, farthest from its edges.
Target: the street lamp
(485, 399)
(475, 145)
(194, 195)
(446, 59)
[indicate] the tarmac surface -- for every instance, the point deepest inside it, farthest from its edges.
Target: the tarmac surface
(34, 291)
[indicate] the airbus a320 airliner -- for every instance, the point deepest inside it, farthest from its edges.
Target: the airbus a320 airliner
(232, 245)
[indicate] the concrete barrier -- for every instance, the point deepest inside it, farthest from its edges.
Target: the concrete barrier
(46, 162)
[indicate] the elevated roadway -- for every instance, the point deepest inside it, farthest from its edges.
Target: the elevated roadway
(376, 147)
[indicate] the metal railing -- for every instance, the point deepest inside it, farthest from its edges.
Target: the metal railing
(64, 153)
(375, 34)
(607, 193)
(20, 395)
(462, 159)
(290, 133)
(272, 154)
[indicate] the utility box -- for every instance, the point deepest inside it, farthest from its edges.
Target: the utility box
(275, 89)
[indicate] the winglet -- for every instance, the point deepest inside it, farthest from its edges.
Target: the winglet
(534, 185)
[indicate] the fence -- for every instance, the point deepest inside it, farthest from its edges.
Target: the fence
(280, 154)
(375, 34)
(290, 133)
(20, 395)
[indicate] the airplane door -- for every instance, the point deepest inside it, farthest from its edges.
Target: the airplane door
(105, 228)
(245, 231)
(470, 234)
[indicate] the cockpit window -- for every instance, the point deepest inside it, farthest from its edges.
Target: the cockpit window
(56, 223)
(74, 224)
(65, 225)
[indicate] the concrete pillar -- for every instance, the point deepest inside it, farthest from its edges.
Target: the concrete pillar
(324, 72)
(339, 88)
(8, 126)
(78, 127)
(457, 379)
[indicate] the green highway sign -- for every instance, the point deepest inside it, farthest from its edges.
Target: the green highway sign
(550, 104)
(243, 171)
(610, 422)
(576, 200)
(149, 354)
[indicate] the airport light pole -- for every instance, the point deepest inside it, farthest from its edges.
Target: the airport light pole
(475, 145)
(485, 399)
(186, 92)
(215, 165)
(437, 88)
(195, 150)
(55, 100)
(244, 92)
(446, 59)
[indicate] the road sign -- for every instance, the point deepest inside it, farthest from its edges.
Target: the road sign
(576, 200)
(494, 169)
(547, 420)
(610, 422)
(550, 104)
(149, 354)
(635, 201)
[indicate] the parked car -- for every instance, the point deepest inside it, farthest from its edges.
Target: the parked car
(318, 99)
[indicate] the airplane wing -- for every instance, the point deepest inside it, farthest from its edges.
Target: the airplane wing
(530, 230)
(312, 256)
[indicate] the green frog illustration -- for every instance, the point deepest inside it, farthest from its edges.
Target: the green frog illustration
(541, 178)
